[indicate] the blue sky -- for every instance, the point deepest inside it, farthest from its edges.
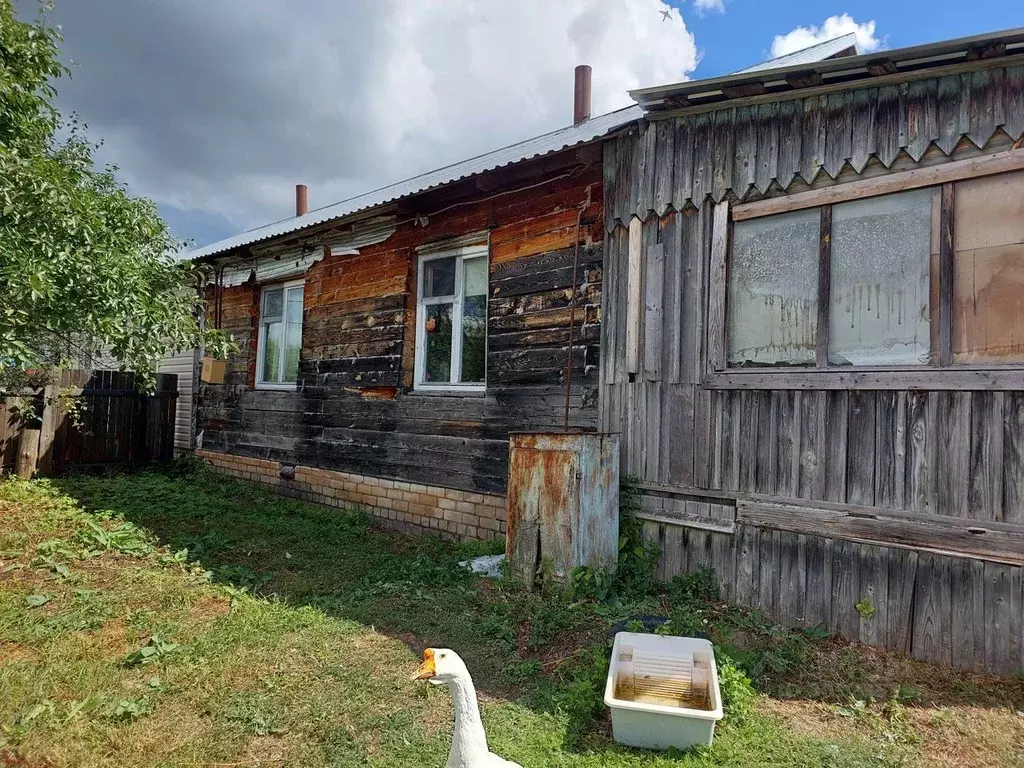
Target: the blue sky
(215, 110)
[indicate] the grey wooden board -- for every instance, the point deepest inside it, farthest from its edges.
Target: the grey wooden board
(738, 152)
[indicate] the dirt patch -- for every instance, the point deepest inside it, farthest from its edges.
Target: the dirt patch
(11, 653)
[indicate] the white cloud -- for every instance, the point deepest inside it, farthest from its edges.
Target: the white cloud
(832, 27)
(703, 6)
(223, 106)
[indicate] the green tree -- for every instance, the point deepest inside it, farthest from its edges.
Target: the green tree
(83, 266)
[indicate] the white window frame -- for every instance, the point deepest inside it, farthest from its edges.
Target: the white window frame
(261, 335)
(463, 254)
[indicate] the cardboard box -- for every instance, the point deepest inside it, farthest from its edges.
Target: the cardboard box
(213, 371)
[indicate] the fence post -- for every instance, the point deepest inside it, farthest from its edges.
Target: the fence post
(48, 430)
(28, 452)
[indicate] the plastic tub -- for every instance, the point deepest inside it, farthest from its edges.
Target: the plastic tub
(663, 691)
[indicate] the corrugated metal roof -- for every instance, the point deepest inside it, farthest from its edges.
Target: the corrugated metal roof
(779, 80)
(809, 55)
(524, 150)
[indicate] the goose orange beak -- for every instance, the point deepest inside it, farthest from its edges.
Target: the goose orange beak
(425, 671)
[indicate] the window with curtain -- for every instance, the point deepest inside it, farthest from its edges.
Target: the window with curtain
(279, 341)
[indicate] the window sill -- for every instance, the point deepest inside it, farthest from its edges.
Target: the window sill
(276, 387)
(467, 391)
(954, 377)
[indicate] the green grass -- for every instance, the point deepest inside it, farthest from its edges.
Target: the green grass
(197, 621)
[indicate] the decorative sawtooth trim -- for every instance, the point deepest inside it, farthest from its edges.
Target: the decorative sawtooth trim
(746, 151)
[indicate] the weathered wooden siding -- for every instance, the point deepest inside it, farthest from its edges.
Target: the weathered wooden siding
(182, 365)
(785, 490)
(355, 410)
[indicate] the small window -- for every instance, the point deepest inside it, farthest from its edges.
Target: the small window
(280, 336)
(451, 320)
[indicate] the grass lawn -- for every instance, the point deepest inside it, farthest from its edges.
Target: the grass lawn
(285, 636)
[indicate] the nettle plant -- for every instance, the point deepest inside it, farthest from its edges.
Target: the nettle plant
(84, 266)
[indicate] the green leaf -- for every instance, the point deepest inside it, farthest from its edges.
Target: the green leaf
(36, 601)
(865, 608)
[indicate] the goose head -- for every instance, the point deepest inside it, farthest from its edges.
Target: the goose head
(440, 666)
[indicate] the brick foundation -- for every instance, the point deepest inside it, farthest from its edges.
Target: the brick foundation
(395, 504)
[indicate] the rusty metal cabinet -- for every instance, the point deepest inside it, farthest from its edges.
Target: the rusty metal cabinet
(563, 502)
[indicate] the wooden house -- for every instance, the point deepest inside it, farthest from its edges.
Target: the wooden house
(812, 340)
(796, 293)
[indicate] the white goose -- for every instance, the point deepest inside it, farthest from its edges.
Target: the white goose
(443, 666)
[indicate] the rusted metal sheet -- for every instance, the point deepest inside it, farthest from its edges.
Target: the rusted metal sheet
(563, 508)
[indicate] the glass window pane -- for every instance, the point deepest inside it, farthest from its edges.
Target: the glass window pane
(294, 305)
(293, 345)
(272, 339)
(439, 277)
(474, 320)
(880, 308)
(988, 270)
(272, 302)
(773, 288)
(438, 335)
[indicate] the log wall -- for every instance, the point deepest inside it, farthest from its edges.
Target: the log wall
(809, 502)
(355, 410)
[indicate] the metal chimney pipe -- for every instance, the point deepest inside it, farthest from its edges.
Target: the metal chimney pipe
(301, 200)
(581, 95)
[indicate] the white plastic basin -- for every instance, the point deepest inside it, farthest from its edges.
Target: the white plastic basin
(659, 668)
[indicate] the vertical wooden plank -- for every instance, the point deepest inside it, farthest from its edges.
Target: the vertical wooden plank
(645, 170)
(682, 179)
(679, 427)
(747, 440)
(918, 480)
(767, 440)
(729, 438)
(845, 584)
(788, 433)
(946, 274)
(931, 639)
(962, 616)
(698, 542)
(818, 598)
(723, 555)
(635, 283)
(985, 492)
(691, 252)
(812, 147)
(986, 106)
(768, 571)
(702, 162)
(792, 578)
(654, 283)
(1013, 102)
(865, 105)
(860, 465)
(811, 465)
(791, 120)
(873, 592)
(609, 314)
(922, 116)
(1013, 458)
(1016, 619)
(836, 423)
(838, 136)
(610, 178)
(653, 427)
(703, 436)
(997, 614)
(890, 123)
(722, 154)
(672, 297)
(665, 156)
(717, 286)
(948, 98)
(890, 454)
(900, 593)
(824, 284)
(953, 452)
(675, 551)
(744, 163)
(767, 156)
(746, 546)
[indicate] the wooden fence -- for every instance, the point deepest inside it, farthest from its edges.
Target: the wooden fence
(113, 422)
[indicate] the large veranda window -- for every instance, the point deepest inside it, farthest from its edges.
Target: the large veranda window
(928, 277)
(451, 320)
(279, 340)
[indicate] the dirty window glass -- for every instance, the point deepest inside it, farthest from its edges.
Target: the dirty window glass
(773, 286)
(439, 344)
(879, 311)
(988, 270)
(474, 320)
(439, 277)
(280, 336)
